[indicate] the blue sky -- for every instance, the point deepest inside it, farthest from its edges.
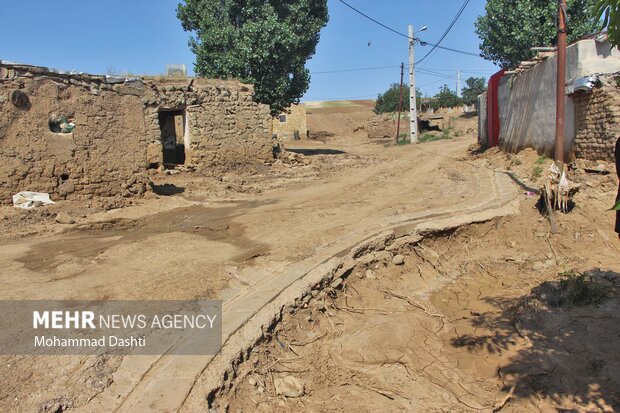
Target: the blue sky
(142, 36)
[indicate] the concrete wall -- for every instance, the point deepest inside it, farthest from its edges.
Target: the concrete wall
(294, 120)
(527, 100)
(117, 134)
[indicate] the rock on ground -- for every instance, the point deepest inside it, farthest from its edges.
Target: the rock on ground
(398, 260)
(289, 386)
(64, 218)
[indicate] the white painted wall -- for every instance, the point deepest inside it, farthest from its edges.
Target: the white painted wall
(527, 104)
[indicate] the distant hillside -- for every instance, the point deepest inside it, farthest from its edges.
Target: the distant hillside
(339, 104)
(340, 117)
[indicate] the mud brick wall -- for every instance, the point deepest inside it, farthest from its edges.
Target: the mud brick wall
(117, 134)
(597, 120)
(103, 156)
(225, 127)
(384, 126)
(294, 120)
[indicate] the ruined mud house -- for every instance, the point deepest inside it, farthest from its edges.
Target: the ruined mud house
(77, 135)
(291, 124)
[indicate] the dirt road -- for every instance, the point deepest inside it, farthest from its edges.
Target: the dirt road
(189, 245)
(194, 248)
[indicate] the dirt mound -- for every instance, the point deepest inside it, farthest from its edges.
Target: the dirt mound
(342, 118)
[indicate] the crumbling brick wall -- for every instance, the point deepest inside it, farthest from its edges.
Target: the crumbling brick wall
(226, 127)
(384, 126)
(293, 120)
(117, 135)
(597, 120)
(103, 156)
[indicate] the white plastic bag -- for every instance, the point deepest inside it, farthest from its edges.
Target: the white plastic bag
(29, 200)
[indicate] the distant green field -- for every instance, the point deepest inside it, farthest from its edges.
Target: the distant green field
(337, 103)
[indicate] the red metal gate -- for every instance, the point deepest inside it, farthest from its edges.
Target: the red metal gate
(493, 109)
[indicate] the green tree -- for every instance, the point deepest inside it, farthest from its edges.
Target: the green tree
(510, 27)
(446, 98)
(388, 101)
(608, 12)
(475, 86)
(264, 42)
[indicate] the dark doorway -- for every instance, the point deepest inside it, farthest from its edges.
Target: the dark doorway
(172, 125)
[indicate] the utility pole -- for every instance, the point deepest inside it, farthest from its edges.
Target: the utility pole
(458, 83)
(413, 117)
(561, 81)
(400, 100)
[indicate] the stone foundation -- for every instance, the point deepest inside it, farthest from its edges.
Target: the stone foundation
(597, 120)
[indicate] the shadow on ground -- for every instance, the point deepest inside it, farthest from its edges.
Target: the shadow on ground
(168, 189)
(311, 152)
(563, 342)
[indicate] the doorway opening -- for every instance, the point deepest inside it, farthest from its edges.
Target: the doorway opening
(172, 124)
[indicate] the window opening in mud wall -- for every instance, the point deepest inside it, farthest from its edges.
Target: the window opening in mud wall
(173, 136)
(282, 118)
(61, 124)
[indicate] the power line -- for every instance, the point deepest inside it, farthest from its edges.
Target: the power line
(445, 33)
(440, 75)
(462, 70)
(436, 81)
(346, 97)
(373, 20)
(479, 71)
(422, 43)
(420, 70)
(361, 69)
(437, 46)
(430, 71)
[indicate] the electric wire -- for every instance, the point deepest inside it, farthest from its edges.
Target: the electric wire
(422, 43)
(445, 33)
(361, 69)
(374, 20)
(418, 69)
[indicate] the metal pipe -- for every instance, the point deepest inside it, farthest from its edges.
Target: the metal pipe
(561, 81)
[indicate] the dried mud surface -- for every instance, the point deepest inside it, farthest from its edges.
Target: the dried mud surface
(476, 319)
(195, 235)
